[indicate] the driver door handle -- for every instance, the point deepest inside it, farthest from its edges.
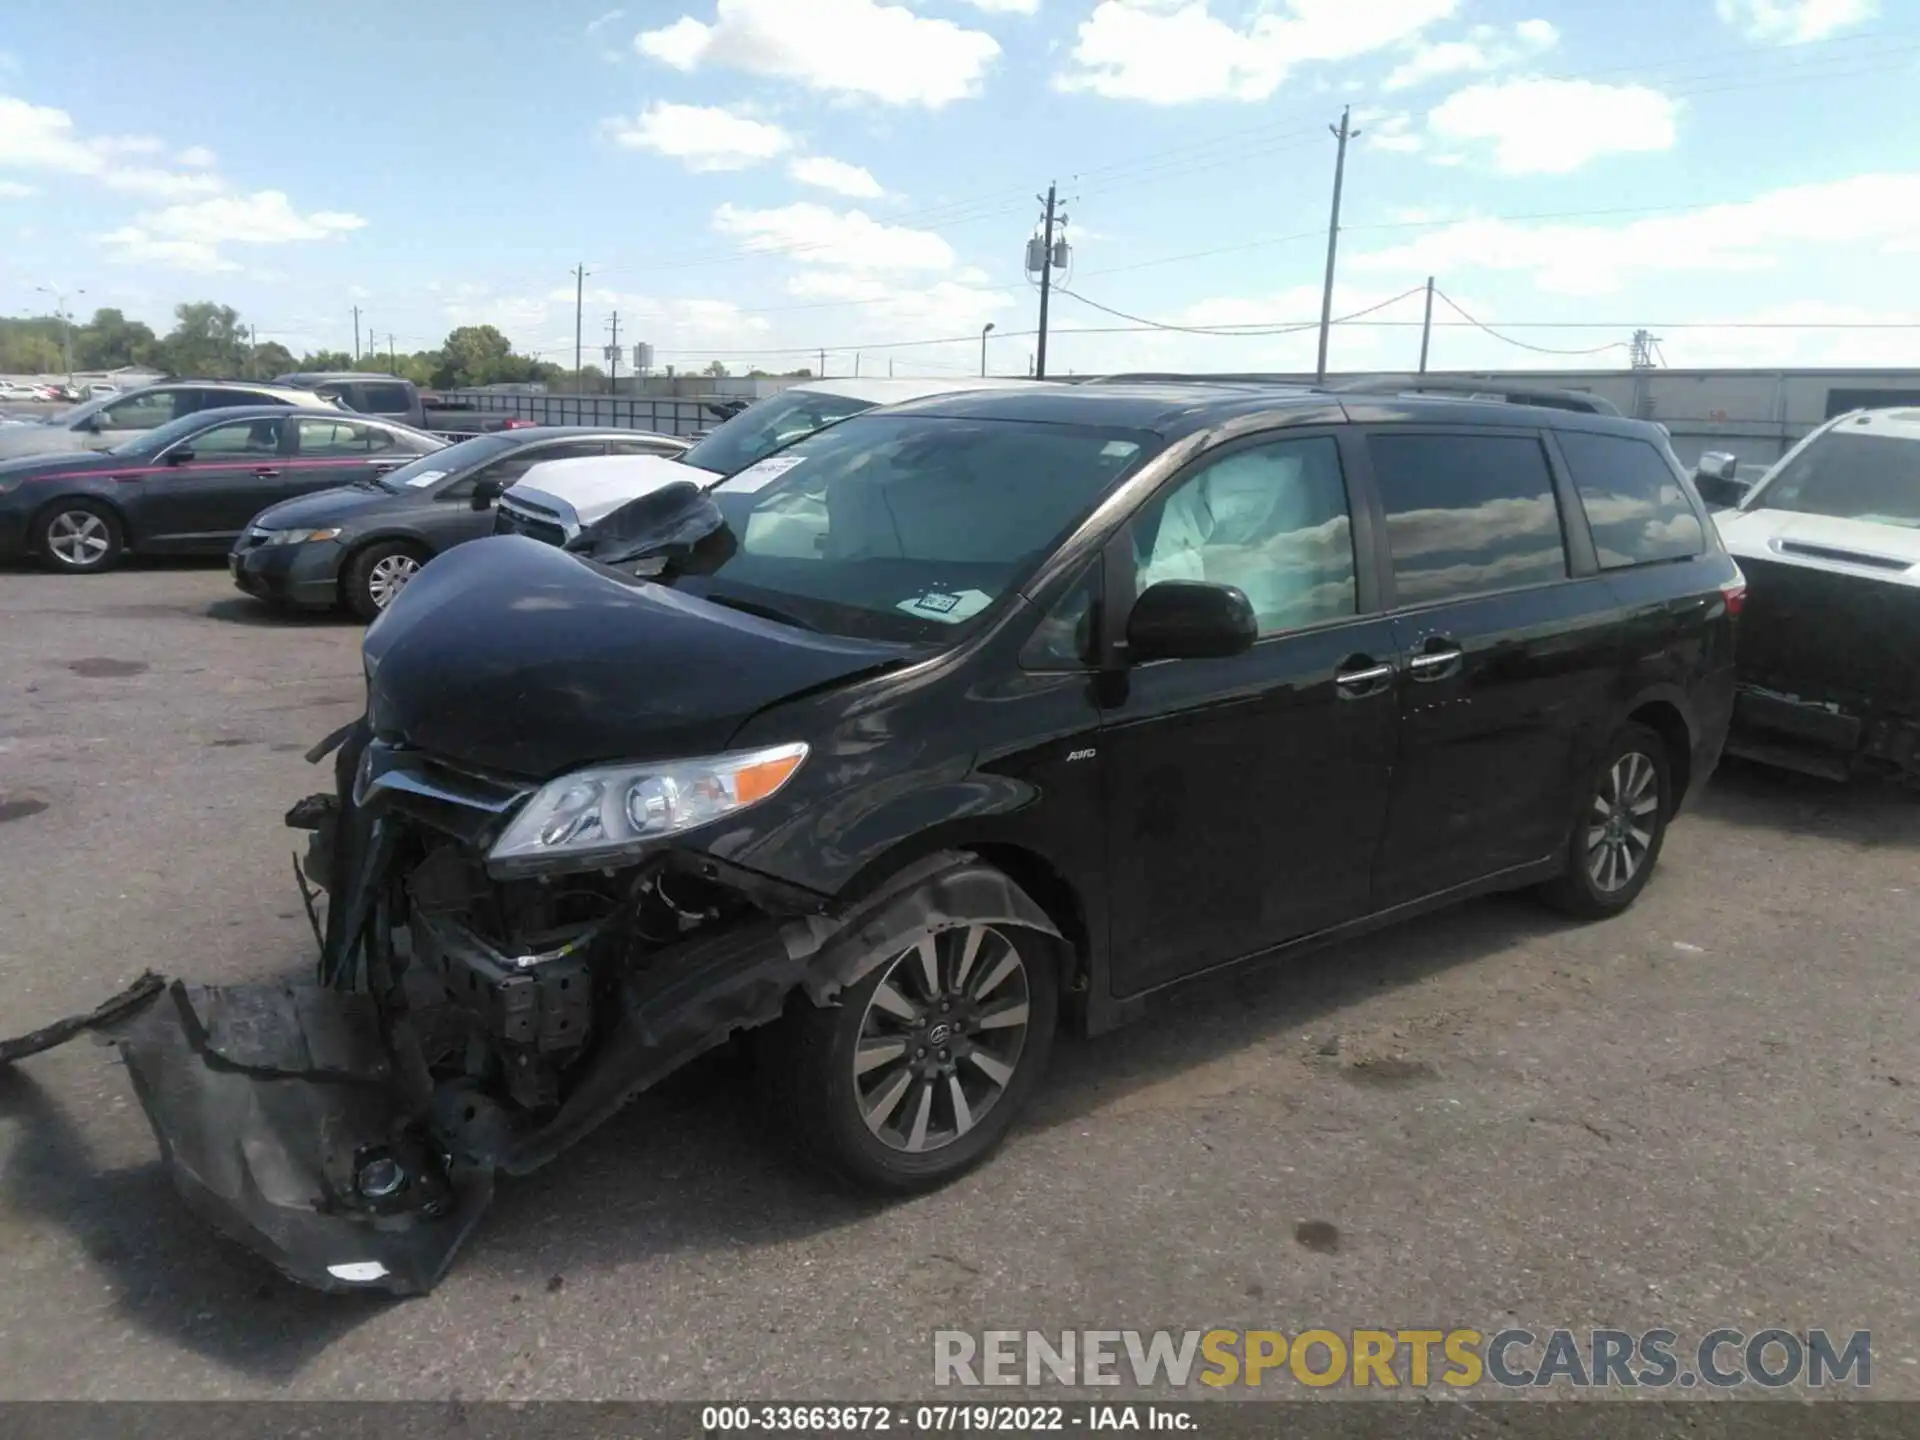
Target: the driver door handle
(1362, 676)
(1437, 663)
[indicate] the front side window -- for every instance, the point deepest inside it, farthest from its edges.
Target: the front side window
(1875, 478)
(907, 527)
(1064, 639)
(239, 439)
(143, 412)
(1467, 514)
(1635, 507)
(1271, 520)
(386, 399)
(759, 430)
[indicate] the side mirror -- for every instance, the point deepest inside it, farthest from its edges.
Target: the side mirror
(180, 456)
(1190, 620)
(1718, 465)
(485, 492)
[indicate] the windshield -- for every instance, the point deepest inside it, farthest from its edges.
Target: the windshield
(1850, 477)
(437, 465)
(759, 430)
(80, 411)
(898, 527)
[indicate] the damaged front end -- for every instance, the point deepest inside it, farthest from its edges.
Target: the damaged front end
(461, 1026)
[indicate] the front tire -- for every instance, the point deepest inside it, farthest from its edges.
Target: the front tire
(79, 537)
(1616, 839)
(922, 1067)
(375, 575)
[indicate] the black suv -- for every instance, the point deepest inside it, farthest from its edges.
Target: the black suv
(941, 724)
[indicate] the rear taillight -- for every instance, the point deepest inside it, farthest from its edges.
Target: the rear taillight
(518, 425)
(1734, 592)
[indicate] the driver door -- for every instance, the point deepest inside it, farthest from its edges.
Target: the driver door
(201, 493)
(1247, 795)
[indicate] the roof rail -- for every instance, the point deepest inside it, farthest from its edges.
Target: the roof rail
(1176, 377)
(1580, 401)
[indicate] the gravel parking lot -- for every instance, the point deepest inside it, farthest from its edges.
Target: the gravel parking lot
(1701, 1114)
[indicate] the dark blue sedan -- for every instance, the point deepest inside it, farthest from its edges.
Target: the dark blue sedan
(357, 546)
(190, 486)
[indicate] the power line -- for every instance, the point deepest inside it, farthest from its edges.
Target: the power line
(1250, 329)
(1522, 344)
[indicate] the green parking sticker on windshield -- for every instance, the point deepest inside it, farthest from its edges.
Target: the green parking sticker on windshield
(951, 607)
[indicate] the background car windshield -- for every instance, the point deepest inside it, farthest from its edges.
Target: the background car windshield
(759, 430)
(1850, 477)
(152, 442)
(910, 527)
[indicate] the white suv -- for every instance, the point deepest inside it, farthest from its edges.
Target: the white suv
(557, 500)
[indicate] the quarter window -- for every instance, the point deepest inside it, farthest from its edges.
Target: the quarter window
(1271, 520)
(1634, 503)
(1467, 514)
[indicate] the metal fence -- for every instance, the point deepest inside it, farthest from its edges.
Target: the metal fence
(664, 416)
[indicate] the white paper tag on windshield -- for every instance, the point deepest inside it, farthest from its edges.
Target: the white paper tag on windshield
(949, 606)
(758, 477)
(427, 477)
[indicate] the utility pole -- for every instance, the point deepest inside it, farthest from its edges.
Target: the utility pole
(822, 373)
(580, 273)
(65, 318)
(393, 363)
(1046, 286)
(613, 357)
(856, 364)
(984, 330)
(1344, 134)
(1426, 326)
(356, 334)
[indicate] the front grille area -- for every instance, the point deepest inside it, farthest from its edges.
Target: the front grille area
(1824, 636)
(525, 520)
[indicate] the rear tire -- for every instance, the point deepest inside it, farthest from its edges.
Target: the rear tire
(79, 537)
(889, 1092)
(1616, 838)
(375, 575)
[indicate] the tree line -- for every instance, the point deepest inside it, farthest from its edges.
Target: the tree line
(209, 340)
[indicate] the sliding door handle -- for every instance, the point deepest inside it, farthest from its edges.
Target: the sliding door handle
(1435, 664)
(1363, 677)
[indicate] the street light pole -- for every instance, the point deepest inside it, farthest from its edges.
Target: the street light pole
(66, 324)
(983, 347)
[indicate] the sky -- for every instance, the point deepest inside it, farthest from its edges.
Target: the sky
(757, 180)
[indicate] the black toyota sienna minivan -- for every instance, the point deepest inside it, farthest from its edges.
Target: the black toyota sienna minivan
(941, 727)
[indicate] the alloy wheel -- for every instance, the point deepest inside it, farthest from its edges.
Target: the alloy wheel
(1620, 824)
(389, 577)
(78, 538)
(941, 1038)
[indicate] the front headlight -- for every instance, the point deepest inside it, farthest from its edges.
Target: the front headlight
(300, 537)
(609, 812)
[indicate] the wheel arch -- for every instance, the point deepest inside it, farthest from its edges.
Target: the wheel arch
(1666, 717)
(93, 497)
(363, 543)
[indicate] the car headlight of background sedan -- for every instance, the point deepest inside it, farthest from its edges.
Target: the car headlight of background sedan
(608, 812)
(298, 537)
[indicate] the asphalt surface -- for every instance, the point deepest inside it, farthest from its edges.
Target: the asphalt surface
(1700, 1114)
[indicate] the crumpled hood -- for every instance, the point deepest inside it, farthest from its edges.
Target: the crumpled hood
(513, 657)
(594, 489)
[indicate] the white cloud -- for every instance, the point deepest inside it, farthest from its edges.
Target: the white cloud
(198, 156)
(853, 240)
(1485, 48)
(1881, 210)
(1793, 22)
(850, 47)
(1007, 7)
(1169, 52)
(1390, 132)
(837, 176)
(41, 137)
(189, 236)
(14, 190)
(1553, 127)
(702, 137)
(594, 27)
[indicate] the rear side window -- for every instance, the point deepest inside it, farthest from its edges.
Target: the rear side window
(1634, 503)
(1467, 514)
(342, 438)
(383, 399)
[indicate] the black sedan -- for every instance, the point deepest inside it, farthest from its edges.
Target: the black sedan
(189, 486)
(356, 547)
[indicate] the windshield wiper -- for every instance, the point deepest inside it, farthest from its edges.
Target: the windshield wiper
(765, 612)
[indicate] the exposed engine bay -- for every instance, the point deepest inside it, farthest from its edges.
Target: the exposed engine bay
(463, 1026)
